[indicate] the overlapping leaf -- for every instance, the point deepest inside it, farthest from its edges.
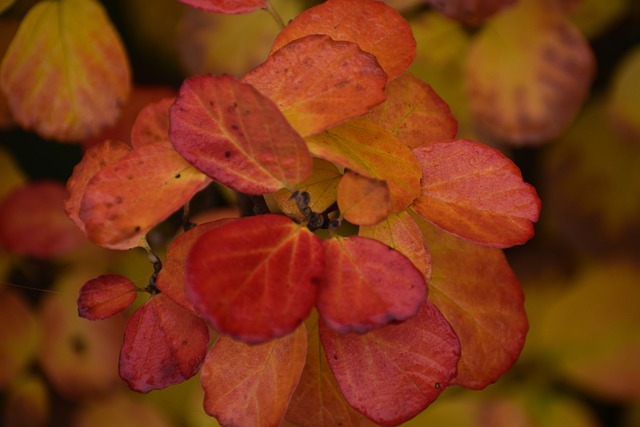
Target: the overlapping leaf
(367, 284)
(152, 124)
(393, 373)
(470, 11)
(318, 82)
(475, 192)
(164, 344)
(105, 296)
(255, 278)
(228, 6)
(66, 73)
(363, 200)
(372, 25)
(237, 136)
(252, 384)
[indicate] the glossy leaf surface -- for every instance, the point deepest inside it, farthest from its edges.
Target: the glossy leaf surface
(475, 192)
(66, 72)
(334, 81)
(152, 124)
(105, 296)
(255, 278)
(413, 362)
(252, 384)
(372, 25)
(363, 200)
(366, 285)
(228, 6)
(470, 11)
(237, 136)
(164, 344)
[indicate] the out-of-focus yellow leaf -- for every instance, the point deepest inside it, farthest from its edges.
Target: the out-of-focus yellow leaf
(120, 410)
(66, 73)
(624, 107)
(27, 403)
(6, 4)
(11, 177)
(593, 17)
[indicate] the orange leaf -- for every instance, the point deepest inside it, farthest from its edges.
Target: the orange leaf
(414, 113)
(164, 344)
(251, 385)
(105, 296)
(318, 82)
(393, 373)
(363, 200)
(66, 73)
(255, 278)
(235, 135)
(475, 192)
(372, 25)
(470, 11)
(367, 149)
(128, 197)
(152, 124)
(476, 291)
(228, 6)
(367, 284)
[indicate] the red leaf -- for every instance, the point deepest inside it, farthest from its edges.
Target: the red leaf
(164, 344)
(372, 25)
(255, 278)
(228, 6)
(393, 373)
(334, 82)
(251, 385)
(152, 124)
(235, 135)
(367, 284)
(470, 11)
(475, 192)
(105, 296)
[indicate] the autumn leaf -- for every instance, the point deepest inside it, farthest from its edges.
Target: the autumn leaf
(227, 6)
(252, 384)
(237, 136)
(255, 278)
(6, 4)
(334, 82)
(66, 72)
(375, 27)
(152, 124)
(472, 12)
(27, 402)
(622, 93)
(122, 410)
(391, 374)
(105, 296)
(475, 192)
(363, 200)
(366, 285)
(164, 344)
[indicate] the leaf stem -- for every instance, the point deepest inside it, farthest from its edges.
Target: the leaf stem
(152, 286)
(275, 15)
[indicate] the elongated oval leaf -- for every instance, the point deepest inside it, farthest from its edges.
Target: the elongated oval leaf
(152, 124)
(393, 373)
(251, 385)
(237, 136)
(255, 278)
(164, 344)
(475, 192)
(334, 82)
(470, 11)
(367, 284)
(228, 6)
(66, 73)
(363, 200)
(104, 296)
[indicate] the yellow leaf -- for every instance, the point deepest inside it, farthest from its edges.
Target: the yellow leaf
(624, 95)
(6, 4)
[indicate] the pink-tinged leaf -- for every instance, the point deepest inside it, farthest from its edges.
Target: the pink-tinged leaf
(255, 278)
(375, 27)
(367, 284)
(475, 192)
(164, 344)
(470, 11)
(237, 136)
(228, 6)
(33, 221)
(334, 82)
(251, 385)
(104, 296)
(393, 373)
(152, 124)
(477, 292)
(363, 200)
(171, 279)
(128, 197)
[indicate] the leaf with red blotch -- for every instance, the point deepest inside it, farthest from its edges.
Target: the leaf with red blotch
(237, 136)
(66, 81)
(255, 278)
(413, 362)
(478, 293)
(367, 284)
(104, 296)
(363, 200)
(252, 384)
(171, 279)
(414, 113)
(128, 197)
(33, 222)
(164, 344)
(471, 12)
(367, 149)
(228, 6)
(475, 192)
(334, 82)
(374, 26)
(152, 124)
